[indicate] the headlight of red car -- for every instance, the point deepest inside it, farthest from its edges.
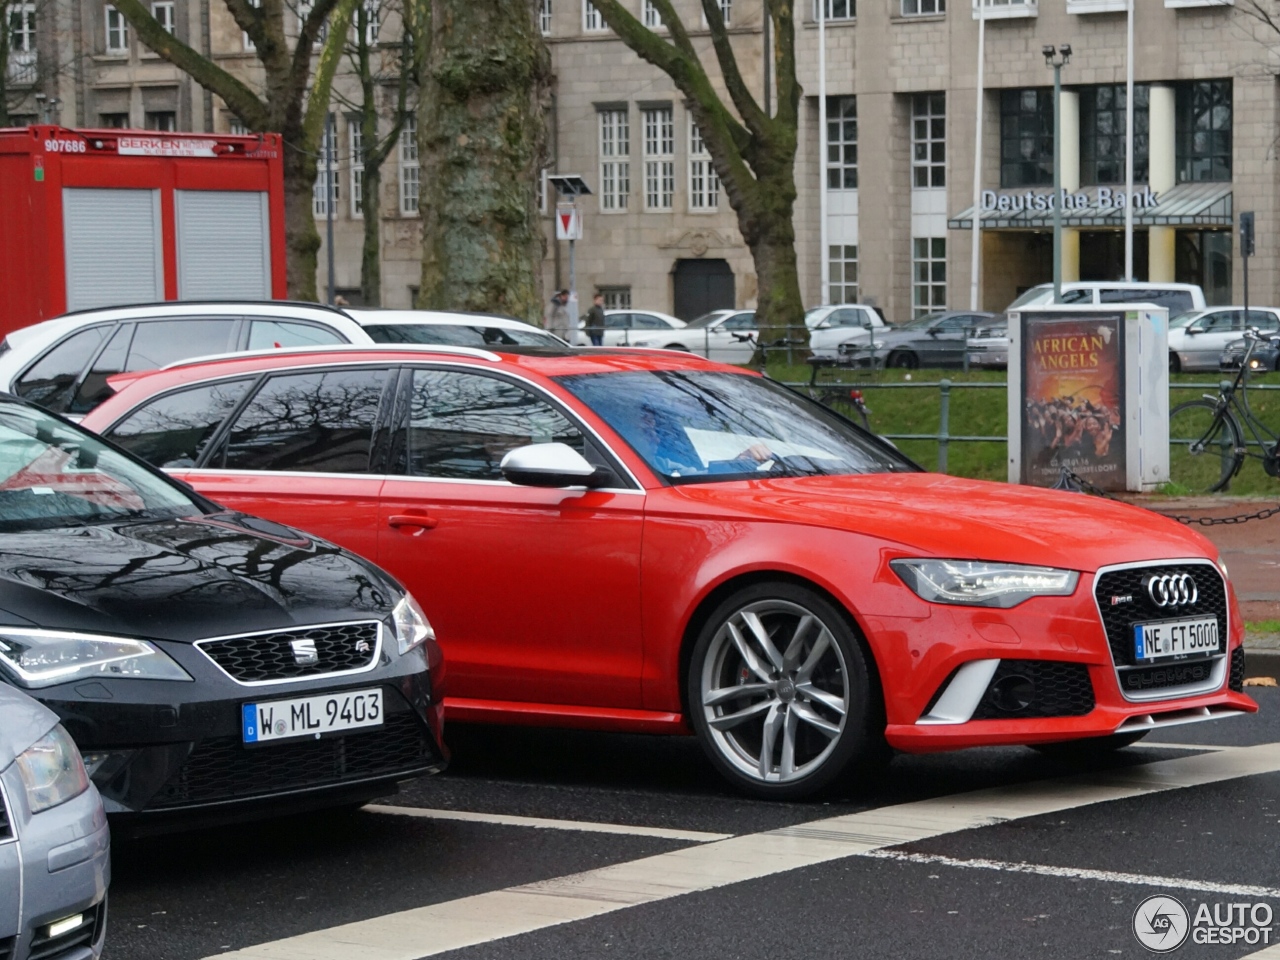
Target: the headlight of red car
(977, 583)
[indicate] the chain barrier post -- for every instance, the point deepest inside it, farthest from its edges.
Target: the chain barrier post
(944, 426)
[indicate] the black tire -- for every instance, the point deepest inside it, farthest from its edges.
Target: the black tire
(1175, 365)
(1091, 748)
(903, 359)
(810, 741)
(1206, 447)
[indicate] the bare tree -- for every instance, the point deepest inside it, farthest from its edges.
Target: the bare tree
(753, 150)
(485, 81)
(30, 59)
(291, 102)
(376, 66)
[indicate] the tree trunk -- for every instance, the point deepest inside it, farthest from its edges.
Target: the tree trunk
(370, 254)
(482, 141)
(766, 219)
(302, 239)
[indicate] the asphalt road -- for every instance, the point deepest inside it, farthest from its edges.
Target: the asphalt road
(1063, 857)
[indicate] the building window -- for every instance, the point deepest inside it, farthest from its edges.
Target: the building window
(842, 264)
(838, 9)
(1102, 122)
(372, 20)
(726, 12)
(659, 158)
(325, 191)
(544, 17)
(163, 120)
(923, 8)
(1204, 131)
(22, 43)
(616, 298)
(409, 182)
(592, 22)
(244, 37)
(1026, 138)
(236, 127)
(117, 31)
(704, 182)
(355, 137)
(842, 143)
(650, 16)
(615, 165)
(928, 275)
(163, 12)
(929, 140)
(113, 121)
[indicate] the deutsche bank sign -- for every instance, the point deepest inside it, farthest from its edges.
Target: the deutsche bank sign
(1104, 199)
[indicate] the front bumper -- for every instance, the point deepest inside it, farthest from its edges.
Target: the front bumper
(62, 858)
(170, 751)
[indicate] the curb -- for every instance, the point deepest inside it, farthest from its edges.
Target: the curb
(1261, 662)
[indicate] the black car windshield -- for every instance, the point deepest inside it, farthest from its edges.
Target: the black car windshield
(460, 335)
(700, 426)
(54, 475)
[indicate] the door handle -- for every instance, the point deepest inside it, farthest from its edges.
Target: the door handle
(421, 521)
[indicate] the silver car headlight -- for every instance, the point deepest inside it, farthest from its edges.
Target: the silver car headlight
(412, 627)
(52, 771)
(41, 658)
(977, 583)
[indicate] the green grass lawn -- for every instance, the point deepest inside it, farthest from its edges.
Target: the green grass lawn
(984, 412)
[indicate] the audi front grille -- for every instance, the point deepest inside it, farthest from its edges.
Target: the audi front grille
(1181, 589)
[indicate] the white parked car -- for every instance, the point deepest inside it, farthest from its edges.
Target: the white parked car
(842, 323)
(713, 335)
(989, 346)
(631, 328)
(1197, 339)
(1175, 297)
(63, 364)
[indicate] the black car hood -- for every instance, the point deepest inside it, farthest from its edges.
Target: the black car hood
(184, 579)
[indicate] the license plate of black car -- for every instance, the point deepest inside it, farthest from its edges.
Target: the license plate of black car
(271, 721)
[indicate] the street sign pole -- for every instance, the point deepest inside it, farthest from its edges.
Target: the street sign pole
(1246, 251)
(569, 187)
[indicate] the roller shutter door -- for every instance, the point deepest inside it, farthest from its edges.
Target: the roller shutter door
(113, 247)
(224, 248)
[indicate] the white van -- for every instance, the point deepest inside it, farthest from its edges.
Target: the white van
(1178, 298)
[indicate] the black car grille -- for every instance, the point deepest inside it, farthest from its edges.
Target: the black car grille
(1236, 682)
(274, 656)
(1028, 689)
(71, 942)
(222, 768)
(6, 827)
(7, 945)
(1135, 606)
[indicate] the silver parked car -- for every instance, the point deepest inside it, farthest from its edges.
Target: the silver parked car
(55, 860)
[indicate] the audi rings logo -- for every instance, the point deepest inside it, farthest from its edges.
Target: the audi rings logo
(1172, 589)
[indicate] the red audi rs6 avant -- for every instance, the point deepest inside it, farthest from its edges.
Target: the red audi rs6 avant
(646, 541)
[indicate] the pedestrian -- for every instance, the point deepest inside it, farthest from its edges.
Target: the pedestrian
(558, 318)
(595, 320)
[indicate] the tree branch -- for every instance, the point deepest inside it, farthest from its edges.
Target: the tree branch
(330, 56)
(784, 57)
(240, 100)
(743, 100)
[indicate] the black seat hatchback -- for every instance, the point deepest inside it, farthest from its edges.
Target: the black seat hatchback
(209, 665)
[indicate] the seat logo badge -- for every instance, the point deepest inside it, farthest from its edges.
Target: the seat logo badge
(304, 652)
(1172, 590)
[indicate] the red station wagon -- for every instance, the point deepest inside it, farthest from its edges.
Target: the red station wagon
(640, 540)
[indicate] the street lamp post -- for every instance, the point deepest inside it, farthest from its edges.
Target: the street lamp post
(1057, 59)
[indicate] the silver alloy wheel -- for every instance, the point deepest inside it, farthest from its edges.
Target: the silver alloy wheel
(775, 691)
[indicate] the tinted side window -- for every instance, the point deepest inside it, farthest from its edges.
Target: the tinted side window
(617, 321)
(1176, 301)
(160, 342)
(51, 380)
(1074, 296)
(461, 425)
(740, 321)
(265, 334)
(646, 321)
(93, 389)
(320, 422)
(1264, 320)
(173, 430)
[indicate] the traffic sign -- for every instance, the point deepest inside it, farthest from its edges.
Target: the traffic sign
(568, 223)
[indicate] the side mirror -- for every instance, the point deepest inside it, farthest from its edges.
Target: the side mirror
(548, 465)
(1193, 330)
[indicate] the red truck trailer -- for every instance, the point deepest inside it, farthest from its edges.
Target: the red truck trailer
(93, 218)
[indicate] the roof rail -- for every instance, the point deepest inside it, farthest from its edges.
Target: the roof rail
(207, 303)
(473, 352)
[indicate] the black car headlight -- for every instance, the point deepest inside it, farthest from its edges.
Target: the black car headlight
(412, 628)
(41, 658)
(978, 583)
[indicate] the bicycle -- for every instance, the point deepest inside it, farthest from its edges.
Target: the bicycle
(1207, 445)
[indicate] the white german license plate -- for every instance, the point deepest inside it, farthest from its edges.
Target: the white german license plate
(1176, 638)
(275, 720)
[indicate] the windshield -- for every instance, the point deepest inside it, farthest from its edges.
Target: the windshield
(460, 335)
(1035, 293)
(920, 323)
(54, 475)
(708, 318)
(1185, 319)
(701, 426)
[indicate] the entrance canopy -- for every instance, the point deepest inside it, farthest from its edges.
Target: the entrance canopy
(1185, 205)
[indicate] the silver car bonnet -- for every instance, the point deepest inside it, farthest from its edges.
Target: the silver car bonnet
(23, 721)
